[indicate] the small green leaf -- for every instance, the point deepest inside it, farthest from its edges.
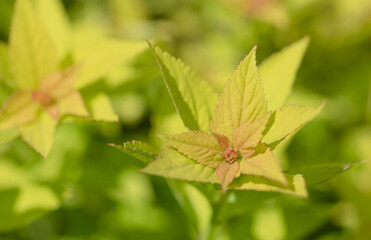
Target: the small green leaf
(246, 137)
(21, 199)
(100, 108)
(263, 164)
(242, 100)
(138, 150)
(279, 70)
(7, 135)
(226, 173)
(296, 185)
(172, 164)
(31, 52)
(55, 20)
(194, 99)
(321, 173)
(39, 133)
(18, 109)
(287, 120)
(199, 146)
(99, 58)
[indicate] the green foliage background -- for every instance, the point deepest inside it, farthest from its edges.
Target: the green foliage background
(85, 189)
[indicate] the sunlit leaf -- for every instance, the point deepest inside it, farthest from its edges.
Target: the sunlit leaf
(138, 150)
(31, 52)
(263, 164)
(296, 185)
(246, 137)
(99, 58)
(226, 172)
(5, 74)
(39, 133)
(199, 146)
(288, 120)
(279, 70)
(242, 100)
(72, 104)
(193, 98)
(172, 164)
(18, 109)
(56, 23)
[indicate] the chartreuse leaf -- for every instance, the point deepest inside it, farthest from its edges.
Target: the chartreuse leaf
(21, 199)
(7, 135)
(99, 58)
(246, 137)
(199, 146)
(320, 173)
(39, 133)
(138, 150)
(263, 164)
(72, 104)
(5, 74)
(56, 23)
(279, 70)
(172, 164)
(31, 52)
(194, 99)
(242, 100)
(295, 186)
(288, 120)
(18, 109)
(100, 108)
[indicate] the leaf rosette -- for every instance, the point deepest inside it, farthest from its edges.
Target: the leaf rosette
(231, 141)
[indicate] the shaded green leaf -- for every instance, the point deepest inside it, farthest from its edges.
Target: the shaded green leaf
(321, 173)
(279, 70)
(199, 146)
(31, 52)
(193, 98)
(172, 164)
(242, 100)
(138, 150)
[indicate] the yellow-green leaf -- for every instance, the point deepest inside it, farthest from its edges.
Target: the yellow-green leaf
(246, 137)
(199, 146)
(31, 52)
(295, 186)
(18, 109)
(263, 164)
(172, 164)
(99, 58)
(5, 74)
(39, 133)
(242, 100)
(56, 23)
(193, 98)
(100, 108)
(60, 83)
(72, 104)
(279, 70)
(226, 173)
(288, 120)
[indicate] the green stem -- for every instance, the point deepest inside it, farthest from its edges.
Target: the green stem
(218, 210)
